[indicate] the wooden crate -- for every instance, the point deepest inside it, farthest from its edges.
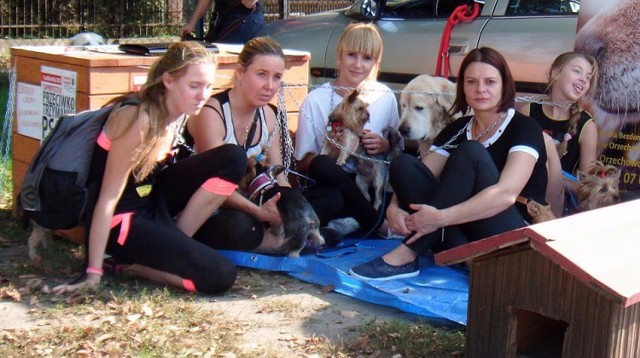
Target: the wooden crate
(103, 76)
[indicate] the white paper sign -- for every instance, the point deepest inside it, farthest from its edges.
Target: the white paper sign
(58, 95)
(29, 110)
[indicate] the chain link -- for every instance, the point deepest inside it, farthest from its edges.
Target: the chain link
(281, 120)
(282, 126)
(540, 100)
(323, 132)
(5, 133)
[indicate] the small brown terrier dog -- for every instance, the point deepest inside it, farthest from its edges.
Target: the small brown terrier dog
(350, 117)
(599, 187)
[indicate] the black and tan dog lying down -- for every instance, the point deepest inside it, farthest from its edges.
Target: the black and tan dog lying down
(300, 224)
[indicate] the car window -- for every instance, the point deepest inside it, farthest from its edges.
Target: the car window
(420, 9)
(543, 7)
(444, 8)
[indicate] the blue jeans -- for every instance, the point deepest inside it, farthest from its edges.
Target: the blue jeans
(469, 170)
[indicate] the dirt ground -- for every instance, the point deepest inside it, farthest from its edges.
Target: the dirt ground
(275, 310)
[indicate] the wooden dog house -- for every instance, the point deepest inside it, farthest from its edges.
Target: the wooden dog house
(565, 288)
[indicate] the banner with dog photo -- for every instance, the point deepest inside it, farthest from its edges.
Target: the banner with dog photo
(609, 30)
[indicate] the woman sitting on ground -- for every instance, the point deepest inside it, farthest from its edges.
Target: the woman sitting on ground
(359, 54)
(142, 190)
(242, 115)
(466, 188)
(572, 77)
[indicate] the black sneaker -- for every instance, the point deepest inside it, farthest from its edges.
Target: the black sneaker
(331, 236)
(382, 271)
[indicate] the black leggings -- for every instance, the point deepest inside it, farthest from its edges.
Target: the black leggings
(329, 175)
(151, 238)
(469, 170)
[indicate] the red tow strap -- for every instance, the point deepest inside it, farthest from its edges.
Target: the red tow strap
(461, 13)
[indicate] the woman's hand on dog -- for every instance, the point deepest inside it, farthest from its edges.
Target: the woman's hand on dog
(269, 211)
(373, 144)
(425, 220)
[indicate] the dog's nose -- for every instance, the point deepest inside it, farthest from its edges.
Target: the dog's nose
(404, 131)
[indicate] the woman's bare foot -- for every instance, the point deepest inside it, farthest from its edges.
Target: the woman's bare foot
(401, 255)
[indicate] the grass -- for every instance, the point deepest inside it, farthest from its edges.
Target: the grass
(408, 340)
(132, 318)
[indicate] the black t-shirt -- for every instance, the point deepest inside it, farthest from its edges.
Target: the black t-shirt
(517, 133)
(556, 129)
(221, 7)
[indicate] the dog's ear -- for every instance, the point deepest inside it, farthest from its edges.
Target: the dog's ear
(446, 101)
(353, 96)
(612, 172)
(582, 176)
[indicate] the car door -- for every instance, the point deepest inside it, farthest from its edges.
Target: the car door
(530, 34)
(412, 34)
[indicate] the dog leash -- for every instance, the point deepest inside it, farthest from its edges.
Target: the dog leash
(337, 251)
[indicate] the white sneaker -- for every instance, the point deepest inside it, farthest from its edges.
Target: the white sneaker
(344, 226)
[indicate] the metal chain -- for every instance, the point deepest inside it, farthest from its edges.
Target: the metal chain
(539, 100)
(529, 99)
(5, 134)
(282, 126)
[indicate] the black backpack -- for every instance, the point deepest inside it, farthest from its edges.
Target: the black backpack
(54, 190)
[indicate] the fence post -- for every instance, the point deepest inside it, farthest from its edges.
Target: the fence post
(284, 9)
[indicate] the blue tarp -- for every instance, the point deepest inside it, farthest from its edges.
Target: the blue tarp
(437, 292)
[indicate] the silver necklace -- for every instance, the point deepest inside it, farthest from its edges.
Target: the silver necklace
(448, 144)
(498, 121)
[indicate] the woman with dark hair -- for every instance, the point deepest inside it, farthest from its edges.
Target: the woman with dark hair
(476, 179)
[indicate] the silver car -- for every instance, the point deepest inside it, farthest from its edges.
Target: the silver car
(529, 33)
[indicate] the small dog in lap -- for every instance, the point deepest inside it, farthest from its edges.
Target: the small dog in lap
(349, 117)
(599, 187)
(300, 223)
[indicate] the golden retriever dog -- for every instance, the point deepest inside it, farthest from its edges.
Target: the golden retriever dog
(612, 36)
(424, 109)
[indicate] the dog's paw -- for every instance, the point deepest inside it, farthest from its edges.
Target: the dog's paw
(39, 238)
(33, 243)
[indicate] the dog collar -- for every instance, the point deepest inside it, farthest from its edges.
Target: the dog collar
(334, 125)
(259, 184)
